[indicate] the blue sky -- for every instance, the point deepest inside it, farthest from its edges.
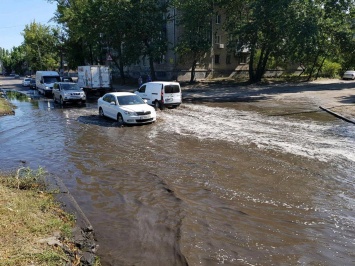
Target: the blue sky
(16, 14)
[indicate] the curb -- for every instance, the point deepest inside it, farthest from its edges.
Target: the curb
(83, 232)
(337, 115)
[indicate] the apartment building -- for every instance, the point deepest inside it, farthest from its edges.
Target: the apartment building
(221, 61)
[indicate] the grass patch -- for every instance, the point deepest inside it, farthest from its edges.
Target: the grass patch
(34, 230)
(5, 107)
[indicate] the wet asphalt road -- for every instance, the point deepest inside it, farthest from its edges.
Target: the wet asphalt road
(256, 182)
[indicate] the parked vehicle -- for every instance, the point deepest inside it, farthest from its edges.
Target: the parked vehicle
(26, 82)
(45, 81)
(66, 79)
(65, 92)
(94, 78)
(161, 94)
(126, 108)
(33, 84)
(350, 74)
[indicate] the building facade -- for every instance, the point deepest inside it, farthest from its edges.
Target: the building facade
(221, 61)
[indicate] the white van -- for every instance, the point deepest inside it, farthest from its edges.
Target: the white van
(45, 81)
(161, 94)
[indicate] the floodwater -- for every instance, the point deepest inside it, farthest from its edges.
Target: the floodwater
(207, 184)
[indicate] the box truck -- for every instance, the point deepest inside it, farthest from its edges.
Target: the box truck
(94, 78)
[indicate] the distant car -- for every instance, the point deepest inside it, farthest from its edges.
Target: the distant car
(350, 74)
(65, 92)
(126, 108)
(33, 84)
(66, 79)
(26, 82)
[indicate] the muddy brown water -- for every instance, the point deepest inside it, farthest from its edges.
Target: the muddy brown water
(230, 183)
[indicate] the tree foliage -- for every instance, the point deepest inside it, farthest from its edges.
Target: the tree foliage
(125, 30)
(40, 46)
(195, 20)
(319, 34)
(304, 31)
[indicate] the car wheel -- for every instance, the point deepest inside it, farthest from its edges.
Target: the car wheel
(157, 105)
(101, 112)
(62, 102)
(120, 119)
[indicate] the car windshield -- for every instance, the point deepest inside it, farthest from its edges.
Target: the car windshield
(70, 87)
(50, 79)
(129, 100)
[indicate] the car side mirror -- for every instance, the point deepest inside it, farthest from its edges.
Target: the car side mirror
(112, 103)
(145, 100)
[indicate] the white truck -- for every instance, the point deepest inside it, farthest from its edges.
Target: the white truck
(45, 81)
(94, 78)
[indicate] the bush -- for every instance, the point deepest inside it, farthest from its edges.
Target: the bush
(330, 69)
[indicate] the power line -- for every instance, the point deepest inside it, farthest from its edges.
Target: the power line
(23, 25)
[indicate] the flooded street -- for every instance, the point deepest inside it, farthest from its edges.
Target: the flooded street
(235, 183)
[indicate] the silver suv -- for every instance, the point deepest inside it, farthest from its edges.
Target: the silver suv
(64, 92)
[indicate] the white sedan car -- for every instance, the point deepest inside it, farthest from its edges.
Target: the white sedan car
(350, 74)
(126, 108)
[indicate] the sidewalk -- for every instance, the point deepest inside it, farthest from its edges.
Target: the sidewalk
(331, 95)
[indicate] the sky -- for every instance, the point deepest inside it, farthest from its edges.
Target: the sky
(16, 14)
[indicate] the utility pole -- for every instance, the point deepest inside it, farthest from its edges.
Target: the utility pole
(212, 44)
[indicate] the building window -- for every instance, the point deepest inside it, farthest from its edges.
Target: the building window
(216, 59)
(217, 39)
(218, 19)
(242, 59)
(161, 60)
(228, 59)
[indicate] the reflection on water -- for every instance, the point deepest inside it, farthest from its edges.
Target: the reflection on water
(204, 185)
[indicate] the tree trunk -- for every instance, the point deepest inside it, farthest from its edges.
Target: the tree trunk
(121, 65)
(251, 65)
(303, 69)
(151, 61)
(152, 70)
(193, 71)
(262, 64)
(313, 66)
(320, 67)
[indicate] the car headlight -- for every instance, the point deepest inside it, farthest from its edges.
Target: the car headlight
(130, 113)
(48, 88)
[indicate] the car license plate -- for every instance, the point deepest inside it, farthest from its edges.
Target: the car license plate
(168, 99)
(145, 116)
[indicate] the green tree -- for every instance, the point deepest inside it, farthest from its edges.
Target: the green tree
(17, 59)
(115, 26)
(80, 20)
(41, 46)
(194, 17)
(146, 30)
(262, 27)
